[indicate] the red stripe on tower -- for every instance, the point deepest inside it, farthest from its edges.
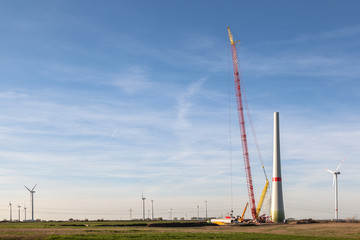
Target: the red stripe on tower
(276, 179)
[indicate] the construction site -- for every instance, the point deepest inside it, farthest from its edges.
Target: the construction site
(277, 214)
(180, 119)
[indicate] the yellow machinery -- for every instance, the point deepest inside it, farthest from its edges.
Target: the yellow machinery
(242, 215)
(258, 209)
(263, 194)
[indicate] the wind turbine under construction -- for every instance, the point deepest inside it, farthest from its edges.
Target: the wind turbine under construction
(32, 200)
(335, 184)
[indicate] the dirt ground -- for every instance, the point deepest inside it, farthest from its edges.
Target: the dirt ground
(332, 229)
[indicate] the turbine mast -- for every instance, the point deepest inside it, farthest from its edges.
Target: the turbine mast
(25, 213)
(277, 202)
(143, 199)
(32, 205)
(19, 208)
(335, 188)
(336, 196)
(32, 200)
(10, 211)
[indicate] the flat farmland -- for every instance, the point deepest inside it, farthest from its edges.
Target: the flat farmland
(140, 230)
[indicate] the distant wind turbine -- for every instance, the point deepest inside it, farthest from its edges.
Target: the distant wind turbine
(32, 200)
(10, 211)
(170, 214)
(335, 185)
(19, 211)
(25, 213)
(143, 199)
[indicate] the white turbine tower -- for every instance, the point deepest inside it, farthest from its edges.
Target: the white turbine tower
(143, 199)
(32, 200)
(19, 212)
(25, 213)
(335, 185)
(10, 211)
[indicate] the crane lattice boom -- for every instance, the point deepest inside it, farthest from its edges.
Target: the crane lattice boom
(242, 126)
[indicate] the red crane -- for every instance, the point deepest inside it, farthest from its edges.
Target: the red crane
(242, 126)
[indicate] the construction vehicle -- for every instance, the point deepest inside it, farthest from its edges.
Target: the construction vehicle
(230, 220)
(243, 214)
(263, 194)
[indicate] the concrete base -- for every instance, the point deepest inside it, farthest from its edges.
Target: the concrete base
(277, 216)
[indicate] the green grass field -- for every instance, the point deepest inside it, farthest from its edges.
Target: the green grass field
(139, 230)
(182, 235)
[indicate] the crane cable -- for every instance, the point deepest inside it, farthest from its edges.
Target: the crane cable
(230, 139)
(252, 126)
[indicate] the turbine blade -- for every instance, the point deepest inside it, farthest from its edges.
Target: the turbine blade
(333, 185)
(27, 188)
(340, 165)
(329, 171)
(33, 187)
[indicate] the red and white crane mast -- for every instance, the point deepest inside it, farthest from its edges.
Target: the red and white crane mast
(242, 126)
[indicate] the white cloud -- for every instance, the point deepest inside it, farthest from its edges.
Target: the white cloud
(185, 103)
(132, 80)
(302, 64)
(345, 32)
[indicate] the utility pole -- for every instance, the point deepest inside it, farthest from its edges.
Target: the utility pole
(197, 212)
(206, 210)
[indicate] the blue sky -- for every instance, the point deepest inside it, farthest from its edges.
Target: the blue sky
(103, 100)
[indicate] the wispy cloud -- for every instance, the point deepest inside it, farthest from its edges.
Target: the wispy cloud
(343, 32)
(300, 64)
(317, 55)
(185, 103)
(132, 80)
(307, 147)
